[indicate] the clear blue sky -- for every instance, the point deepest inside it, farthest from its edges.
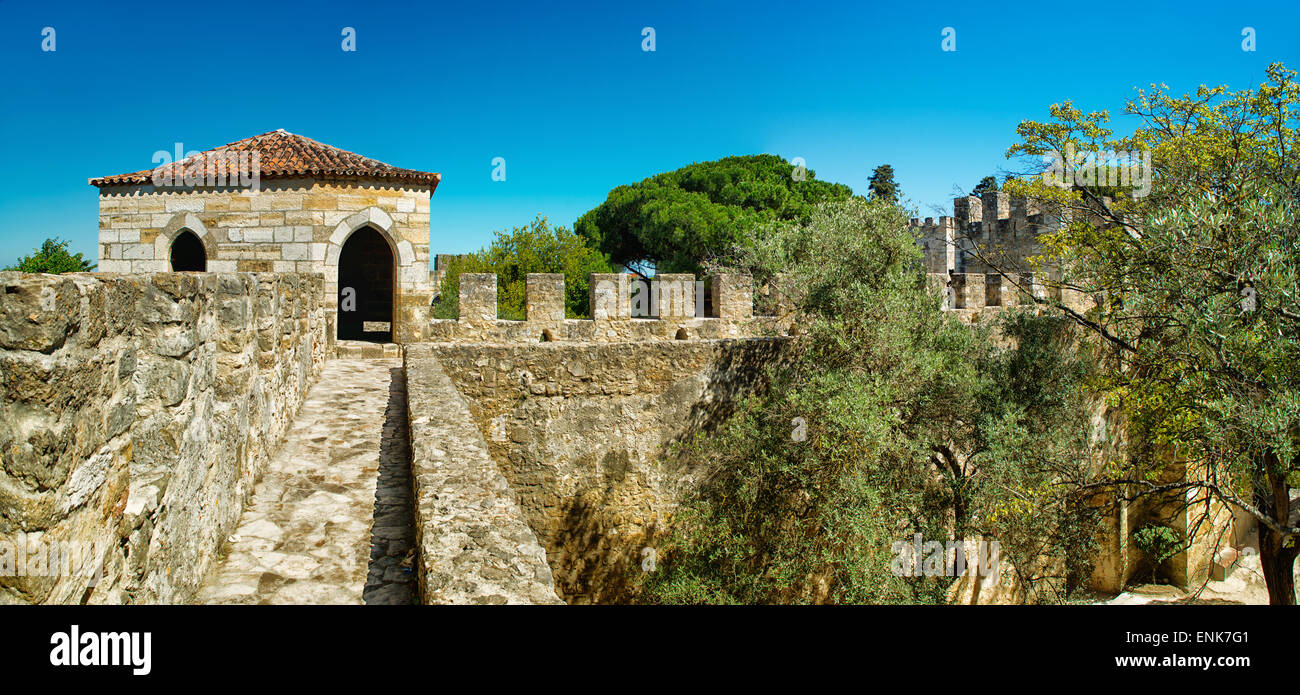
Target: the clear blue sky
(565, 94)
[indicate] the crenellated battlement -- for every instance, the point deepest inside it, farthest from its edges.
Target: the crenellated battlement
(980, 257)
(994, 224)
(974, 293)
(624, 307)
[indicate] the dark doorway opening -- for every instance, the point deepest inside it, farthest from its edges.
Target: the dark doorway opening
(188, 254)
(365, 302)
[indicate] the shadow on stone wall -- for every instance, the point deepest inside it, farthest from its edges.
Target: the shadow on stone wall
(588, 435)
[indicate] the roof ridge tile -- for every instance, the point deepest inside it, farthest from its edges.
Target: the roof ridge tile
(284, 154)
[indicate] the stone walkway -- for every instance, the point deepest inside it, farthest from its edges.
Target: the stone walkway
(320, 530)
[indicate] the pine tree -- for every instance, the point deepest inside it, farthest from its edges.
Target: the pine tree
(882, 185)
(988, 183)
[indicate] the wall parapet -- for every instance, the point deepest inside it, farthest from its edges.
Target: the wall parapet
(977, 292)
(624, 307)
(136, 413)
(474, 544)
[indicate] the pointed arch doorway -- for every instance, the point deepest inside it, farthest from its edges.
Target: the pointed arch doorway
(366, 280)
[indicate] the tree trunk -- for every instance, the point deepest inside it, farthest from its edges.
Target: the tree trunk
(1279, 571)
(1276, 555)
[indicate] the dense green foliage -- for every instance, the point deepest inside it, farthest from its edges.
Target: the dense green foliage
(534, 248)
(1158, 543)
(680, 219)
(890, 418)
(53, 257)
(882, 186)
(1200, 304)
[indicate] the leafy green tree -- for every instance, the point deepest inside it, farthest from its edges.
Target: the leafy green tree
(888, 418)
(1199, 306)
(534, 248)
(882, 186)
(988, 183)
(679, 219)
(53, 257)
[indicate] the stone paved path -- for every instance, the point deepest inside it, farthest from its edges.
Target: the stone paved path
(307, 535)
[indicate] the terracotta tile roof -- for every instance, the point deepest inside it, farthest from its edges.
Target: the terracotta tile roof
(284, 154)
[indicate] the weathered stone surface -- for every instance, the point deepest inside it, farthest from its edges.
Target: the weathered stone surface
(988, 235)
(126, 426)
(733, 296)
(478, 297)
(307, 535)
(671, 307)
(38, 313)
(474, 544)
(136, 415)
(605, 331)
(968, 290)
(675, 295)
(544, 297)
(286, 226)
(580, 431)
(610, 296)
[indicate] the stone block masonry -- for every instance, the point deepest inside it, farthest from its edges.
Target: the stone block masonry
(136, 412)
(474, 544)
(610, 297)
(676, 296)
(994, 225)
(733, 296)
(978, 297)
(478, 298)
(989, 253)
(293, 225)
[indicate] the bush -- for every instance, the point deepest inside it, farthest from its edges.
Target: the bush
(53, 257)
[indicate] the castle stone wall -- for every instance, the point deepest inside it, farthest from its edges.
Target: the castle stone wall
(582, 432)
(137, 412)
(993, 226)
(474, 544)
(478, 298)
(978, 297)
(543, 297)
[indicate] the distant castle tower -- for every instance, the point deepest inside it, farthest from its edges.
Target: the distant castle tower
(980, 257)
(994, 225)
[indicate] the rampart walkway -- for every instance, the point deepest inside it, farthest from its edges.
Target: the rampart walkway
(330, 520)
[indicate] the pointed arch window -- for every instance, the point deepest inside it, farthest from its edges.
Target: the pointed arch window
(188, 254)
